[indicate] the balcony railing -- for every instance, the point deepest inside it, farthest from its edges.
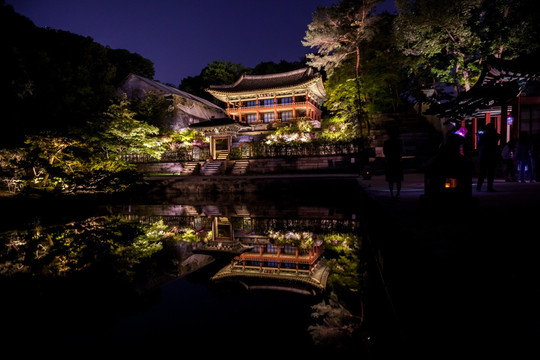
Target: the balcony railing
(252, 107)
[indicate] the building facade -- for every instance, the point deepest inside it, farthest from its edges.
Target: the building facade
(274, 98)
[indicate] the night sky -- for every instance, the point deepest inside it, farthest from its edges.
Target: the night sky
(181, 37)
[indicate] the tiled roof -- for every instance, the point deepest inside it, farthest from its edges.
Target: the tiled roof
(171, 90)
(500, 81)
(271, 81)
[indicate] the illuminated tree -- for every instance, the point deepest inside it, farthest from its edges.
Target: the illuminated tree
(508, 28)
(120, 133)
(53, 151)
(339, 31)
(355, 48)
(438, 37)
(447, 41)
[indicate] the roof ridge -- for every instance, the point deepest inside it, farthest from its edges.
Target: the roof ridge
(278, 75)
(161, 86)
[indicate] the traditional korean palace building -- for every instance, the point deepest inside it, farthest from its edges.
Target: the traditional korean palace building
(507, 94)
(275, 98)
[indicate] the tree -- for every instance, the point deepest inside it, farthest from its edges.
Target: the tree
(53, 80)
(118, 132)
(52, 151)
(127, 63)
(339, 31)
(439, 38)
(339, 34)
(215, 73)
(508, 28)
(270, 67)
(153, 109)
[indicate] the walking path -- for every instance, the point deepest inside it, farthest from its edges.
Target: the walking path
(465, 280)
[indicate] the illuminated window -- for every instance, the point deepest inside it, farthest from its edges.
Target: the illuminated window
(286, 100)
(288, 249)
(268, 117)
(251, 118)
(268, 102)
(251, 103)
(286, 115)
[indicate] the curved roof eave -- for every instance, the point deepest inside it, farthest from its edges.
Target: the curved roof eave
(315, 84)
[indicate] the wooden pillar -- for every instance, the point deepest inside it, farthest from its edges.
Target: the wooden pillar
(260, 257)
(516, 114)
(296, 259)
(240, 110)
(278, 261)
(293, 106)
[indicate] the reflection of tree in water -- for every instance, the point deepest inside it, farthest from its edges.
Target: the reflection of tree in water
(108, 246)
(339, 318)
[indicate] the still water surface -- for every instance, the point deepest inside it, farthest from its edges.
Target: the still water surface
(77, 284)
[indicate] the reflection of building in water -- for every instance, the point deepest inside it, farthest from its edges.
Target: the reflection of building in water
(247, 237)
(266, 257)
(267, 260)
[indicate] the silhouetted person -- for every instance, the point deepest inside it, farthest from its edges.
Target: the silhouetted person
(393, 153)
(507, 155)
(488, 156)
(523, 156)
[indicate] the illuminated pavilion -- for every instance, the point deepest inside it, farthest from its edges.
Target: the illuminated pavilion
(274, 98)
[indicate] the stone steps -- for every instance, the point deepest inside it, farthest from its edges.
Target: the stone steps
(189, 168)
(240, 167)
(211, 168)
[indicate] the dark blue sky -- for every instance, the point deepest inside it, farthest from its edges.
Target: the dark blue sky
(182, 36)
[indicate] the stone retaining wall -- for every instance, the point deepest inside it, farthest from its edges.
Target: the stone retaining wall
(283, 165)
(301, 164)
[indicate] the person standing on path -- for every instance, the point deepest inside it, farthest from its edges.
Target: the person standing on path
(488, 156)
(523, 157)
(507, 155)
(393, 153)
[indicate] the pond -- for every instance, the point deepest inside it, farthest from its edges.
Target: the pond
(209, 274)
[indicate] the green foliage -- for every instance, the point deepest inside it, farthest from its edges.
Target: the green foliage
(108, 245)
(186, 138)
(339, 31)
(302, 239)
(152, 109)
(11, 169)
(118, 132)
(347, 269)
(299, 131)
(336, 129)
(438, 36)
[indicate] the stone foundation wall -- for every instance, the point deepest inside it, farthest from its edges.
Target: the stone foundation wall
(160, 168)
(318, 164)
(303, 164)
